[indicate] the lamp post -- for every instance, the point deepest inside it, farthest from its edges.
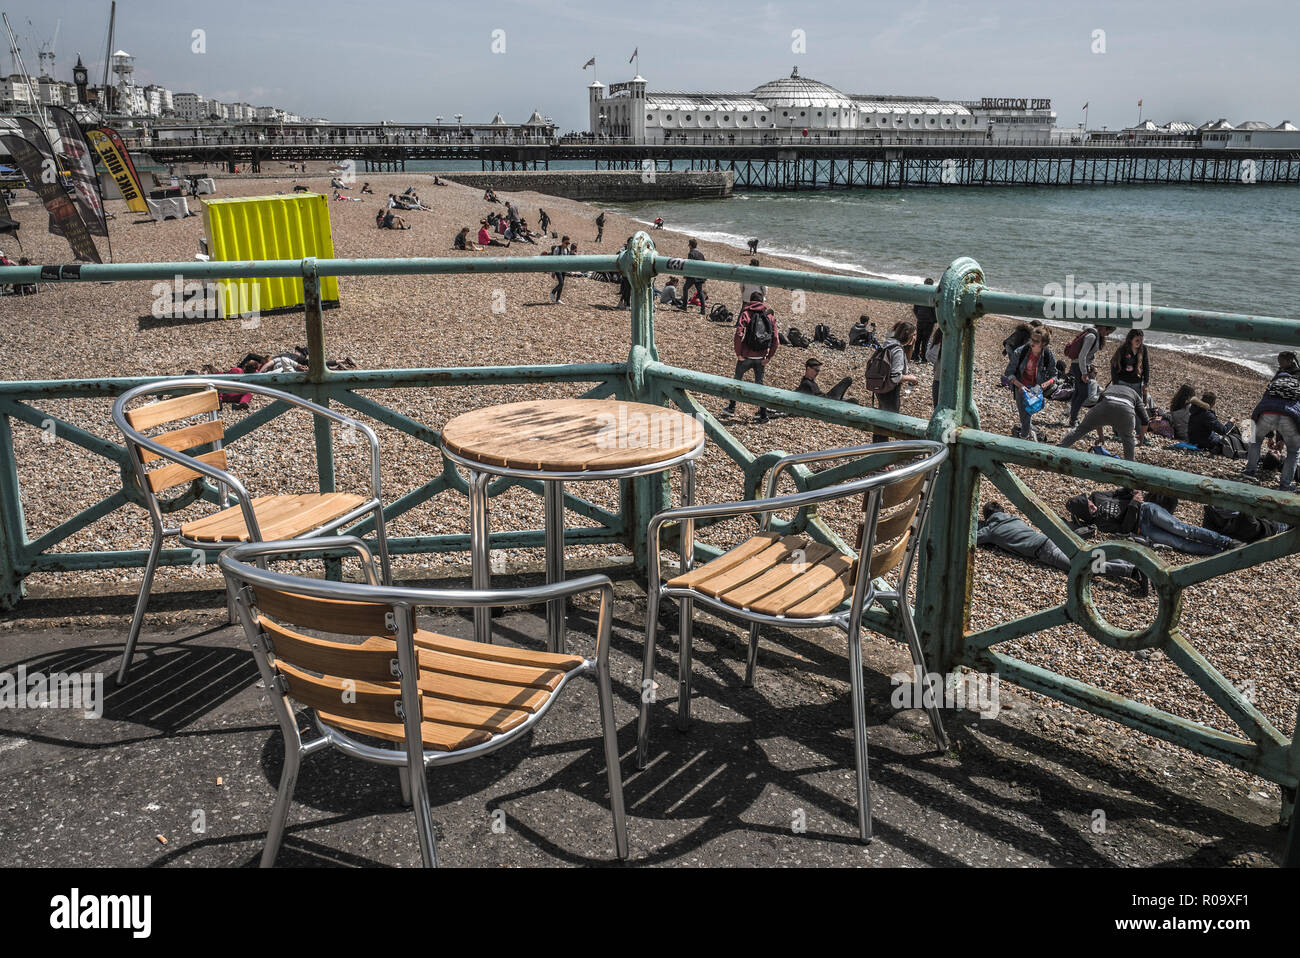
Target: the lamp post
(458, 116)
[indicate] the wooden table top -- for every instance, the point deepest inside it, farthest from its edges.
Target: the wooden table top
(572, 435)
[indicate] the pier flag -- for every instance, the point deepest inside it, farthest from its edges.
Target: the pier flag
(589, 63)
(36, 161)
(1085, 106)
(1139, 102)
(634, 53)
(79, 163)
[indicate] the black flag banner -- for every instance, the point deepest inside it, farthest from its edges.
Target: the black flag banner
(79, 161)
(42, 174)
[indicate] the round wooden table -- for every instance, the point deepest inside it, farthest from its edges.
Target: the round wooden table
(559, 440)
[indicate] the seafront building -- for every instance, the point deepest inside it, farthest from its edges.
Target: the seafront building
(807, 108)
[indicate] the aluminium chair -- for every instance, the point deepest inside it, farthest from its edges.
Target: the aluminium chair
(796, 582)
(429, 699)
(172, 458)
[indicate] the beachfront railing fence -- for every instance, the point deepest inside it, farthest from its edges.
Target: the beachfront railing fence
(947, 555)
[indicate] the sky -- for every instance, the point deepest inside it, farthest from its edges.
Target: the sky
(409, 61)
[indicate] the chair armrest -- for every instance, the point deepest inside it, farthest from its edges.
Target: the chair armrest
(212, 472)
(843, 452)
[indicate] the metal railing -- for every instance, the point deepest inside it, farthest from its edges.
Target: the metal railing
(947, 555)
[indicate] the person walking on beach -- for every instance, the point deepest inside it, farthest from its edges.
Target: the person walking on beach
(1082, 351)
(888, 384)
(694, 254)
(600, 226)
(1032, 365)
(925, 322)
(747, 290)
(1279, 411)
(562, 249)
(755, 343)
(544, 220)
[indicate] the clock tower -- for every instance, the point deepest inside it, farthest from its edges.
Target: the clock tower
(80, 77)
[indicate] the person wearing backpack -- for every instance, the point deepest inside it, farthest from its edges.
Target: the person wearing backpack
(886, 372)
(1081, 351)
(1279, 411)
(755, 342)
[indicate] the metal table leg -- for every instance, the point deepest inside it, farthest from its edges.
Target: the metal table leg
(687, 607)
(481, 573)
(555, 624)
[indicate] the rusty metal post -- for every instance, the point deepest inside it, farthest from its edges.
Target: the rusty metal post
(946, 564)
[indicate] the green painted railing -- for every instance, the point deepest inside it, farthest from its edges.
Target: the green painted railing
(947, 558)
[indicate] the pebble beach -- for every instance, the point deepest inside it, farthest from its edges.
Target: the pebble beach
(1245, 623)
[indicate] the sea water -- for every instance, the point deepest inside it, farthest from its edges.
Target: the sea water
(1226, 248)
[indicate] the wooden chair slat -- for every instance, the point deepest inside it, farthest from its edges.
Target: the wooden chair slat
(690, 580)
(366, 701)
(890, 527)
(896, 493)
(169, 410)
(480, 692)
(183, 440)
(368, 661)
(278, 517)
(752, 567)
(496, 653)
(459, 665)
(791, 568)
(444, 738)
(825, 599)
(173, 474)
(884, 561)
(816, 578)
(324, 615)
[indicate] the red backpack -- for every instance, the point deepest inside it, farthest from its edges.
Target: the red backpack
(1075, 346)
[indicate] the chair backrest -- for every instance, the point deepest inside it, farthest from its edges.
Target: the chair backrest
(203, 406)
(337, 656)
(893, 519)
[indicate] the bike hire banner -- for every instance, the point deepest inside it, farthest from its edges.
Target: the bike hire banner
(43, 175)
(79, 161)
(115, 159)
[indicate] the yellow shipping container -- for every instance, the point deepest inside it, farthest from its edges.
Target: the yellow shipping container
(247, 228)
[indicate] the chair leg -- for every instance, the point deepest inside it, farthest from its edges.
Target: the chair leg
(647, 682)
(686, 609)
(381, 546)
(423, 816)
(141, 604)
(751, 659)
(283, 799)
(404, 779)
(860, 734)
(928, 694)
(232, 614)
(612, 768)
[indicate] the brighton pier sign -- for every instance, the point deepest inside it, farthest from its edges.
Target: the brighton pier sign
(997, 103)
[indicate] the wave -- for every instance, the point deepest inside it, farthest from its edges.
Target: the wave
(803, 254)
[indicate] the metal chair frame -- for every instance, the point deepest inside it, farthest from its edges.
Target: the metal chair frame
(240, 576)
(847, 617)
(228, 485)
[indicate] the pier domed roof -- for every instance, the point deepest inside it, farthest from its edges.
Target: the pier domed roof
(797, 91)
